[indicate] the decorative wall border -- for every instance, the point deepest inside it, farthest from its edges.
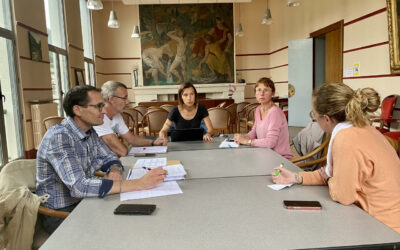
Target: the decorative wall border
(31, 28)
(29, 59)
(117, 58)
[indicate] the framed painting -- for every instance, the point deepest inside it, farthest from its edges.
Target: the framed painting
(79, 79)
(393, 10)
(35, 46)
(187, 42)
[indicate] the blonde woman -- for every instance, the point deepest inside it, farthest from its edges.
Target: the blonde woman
(270, 129)
(362, 167)
(188, 114)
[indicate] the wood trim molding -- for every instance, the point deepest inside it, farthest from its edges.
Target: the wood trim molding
(75, 47)
(279, 66)
(31, 28)
(366, 16)
(327, 29)
(112, 74)
(31, 154)
(72, 67)
(29, 59)
(117, 58)
(371, 76)
(366, 47)
(36, 89)
(264, 54)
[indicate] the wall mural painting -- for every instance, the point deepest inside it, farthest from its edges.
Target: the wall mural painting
(187, 42)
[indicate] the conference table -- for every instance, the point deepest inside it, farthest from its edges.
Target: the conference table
(226, 204)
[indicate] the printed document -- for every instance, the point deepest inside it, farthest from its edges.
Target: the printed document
(228, 144)
(151, 162)
(148, 150)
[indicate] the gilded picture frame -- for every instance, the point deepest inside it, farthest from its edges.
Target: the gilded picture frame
(393, 10)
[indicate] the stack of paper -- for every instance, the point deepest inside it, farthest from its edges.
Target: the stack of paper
(175, 172)
(174, 168)
(151, 162)
(228, 144)
(148, 150)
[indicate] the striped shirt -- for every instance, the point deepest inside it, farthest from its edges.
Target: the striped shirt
(66, 161)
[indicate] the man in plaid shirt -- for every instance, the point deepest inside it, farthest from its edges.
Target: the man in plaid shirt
(71, 152)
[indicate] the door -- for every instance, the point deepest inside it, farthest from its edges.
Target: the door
(301, 77)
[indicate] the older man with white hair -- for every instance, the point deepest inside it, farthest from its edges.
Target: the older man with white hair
(115, 95)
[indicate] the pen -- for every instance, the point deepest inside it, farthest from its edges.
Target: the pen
(129, 174)
(277, 171)
(146, 168)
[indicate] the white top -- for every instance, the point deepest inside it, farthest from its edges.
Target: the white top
(116, 126)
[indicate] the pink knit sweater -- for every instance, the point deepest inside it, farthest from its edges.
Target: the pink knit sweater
(271, 132)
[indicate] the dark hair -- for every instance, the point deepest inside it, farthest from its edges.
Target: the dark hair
(77, 96)
(184, 86)
(267, 82)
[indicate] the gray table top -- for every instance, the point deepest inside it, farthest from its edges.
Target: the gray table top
(247, 161)
(223, 213)
(199, 145)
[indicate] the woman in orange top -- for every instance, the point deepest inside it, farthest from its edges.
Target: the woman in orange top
(362, 167)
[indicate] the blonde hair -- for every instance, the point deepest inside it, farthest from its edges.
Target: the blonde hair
(339, 101)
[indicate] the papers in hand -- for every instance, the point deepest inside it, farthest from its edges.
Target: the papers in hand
(228, 144)
(279, 186)
(151, 162)
(148, 150)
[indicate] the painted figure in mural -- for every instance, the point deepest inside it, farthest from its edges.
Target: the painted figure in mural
(180, 60)
(152, 57)
(215, 58)
(221, 34)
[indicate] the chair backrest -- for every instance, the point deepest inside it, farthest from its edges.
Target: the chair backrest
(250, 112)
(142, 109)
(137, 116)
(387, 107)
(220, 119)
(129, 121)
(51, 121)
(233, 111)
(19, 173)
(221, 105)
(240, 107)
(167, 107)
(155, 120)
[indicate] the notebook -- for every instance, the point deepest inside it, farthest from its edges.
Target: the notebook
(190, 134)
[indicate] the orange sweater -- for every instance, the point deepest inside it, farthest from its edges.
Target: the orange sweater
(366, 172)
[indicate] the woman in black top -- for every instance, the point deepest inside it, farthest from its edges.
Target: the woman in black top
(188, 113)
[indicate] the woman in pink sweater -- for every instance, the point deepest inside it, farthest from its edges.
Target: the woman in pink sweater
(270, 129)
(362, 167)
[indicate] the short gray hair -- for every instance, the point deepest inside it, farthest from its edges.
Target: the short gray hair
(108, 89)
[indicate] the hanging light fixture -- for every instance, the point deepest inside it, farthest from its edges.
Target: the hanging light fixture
(267, 16)
(239, 29)
(94, 5)
(113, 20)
(292, 3)
(135, 33)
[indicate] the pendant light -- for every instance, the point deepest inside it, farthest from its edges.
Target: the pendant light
(113, 20)
(267, 16)
(94, 5)
(292, 3)
(239, 29)
(135, 33)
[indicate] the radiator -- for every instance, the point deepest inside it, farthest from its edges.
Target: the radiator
(39, 112)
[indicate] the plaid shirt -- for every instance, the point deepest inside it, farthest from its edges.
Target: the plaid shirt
(66, 161)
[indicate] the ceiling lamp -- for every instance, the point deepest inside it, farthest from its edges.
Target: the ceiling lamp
(113, 20)
(239, 29)
(267, 17)
(135, 33)
(292, 3)
(94, 5)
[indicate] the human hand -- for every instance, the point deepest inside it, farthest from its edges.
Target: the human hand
(153, 178)
(284, 176)
(241, 139)
(208, 138)
(161, 141)
(114, 174)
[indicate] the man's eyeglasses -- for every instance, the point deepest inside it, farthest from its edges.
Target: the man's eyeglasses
(123, 98)
(99, 106)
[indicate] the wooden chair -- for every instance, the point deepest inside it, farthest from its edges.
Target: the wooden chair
(129, 121)
(250, 114)
(233, 111)
(386, 117)
(221, 105)
(155, 120)
(137, 116)
(51, 121)
(243, 114)
(142, 109)
(167, 107)
(220, 119)
(302, 162)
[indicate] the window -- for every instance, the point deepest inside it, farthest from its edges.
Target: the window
(11, 147)
(57, 50)
(87, 43)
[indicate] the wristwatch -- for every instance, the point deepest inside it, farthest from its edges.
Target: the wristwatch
(249, 142)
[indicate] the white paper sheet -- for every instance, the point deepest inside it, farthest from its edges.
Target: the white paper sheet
(151, 162)
(279, 186)
(228, 144)
(148, 150)
(165, 188)
(175, 172)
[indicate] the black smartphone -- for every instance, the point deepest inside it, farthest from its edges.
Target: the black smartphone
(230, 140)
(144, 209)
(307, 205)
(144, 154)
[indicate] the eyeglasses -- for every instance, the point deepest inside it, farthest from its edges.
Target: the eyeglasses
(123, 98)
(264, 91)
(99, 106)
(313, 115)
